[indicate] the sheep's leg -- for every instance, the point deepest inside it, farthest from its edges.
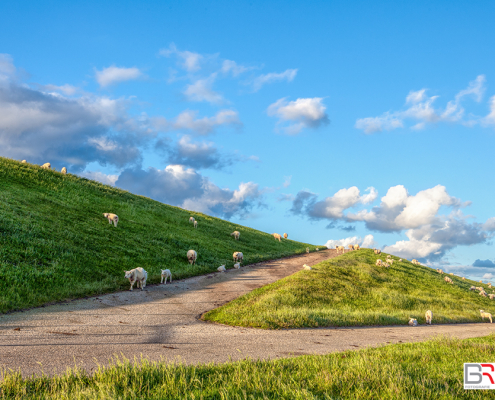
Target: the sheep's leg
(115, 223)
(162, 280)
(132, 284)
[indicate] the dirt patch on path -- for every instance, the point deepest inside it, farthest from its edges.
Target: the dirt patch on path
(161, 322)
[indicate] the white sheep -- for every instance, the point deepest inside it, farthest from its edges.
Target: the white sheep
(307, 267)
(138, 275)
(356, 247)
(473, 288)
(112, 218)
(276, 236)
(195, 224)
(389, 256)
(286, 236)
(491, 296)
(317, 249)
(448, 280)
(23, 161)
(483, 293)
(428, 316)
(192, 256)
(46, 166)
(237, 265)
(452, 273)
(490, 285)
(413, 322)
(400, 259)
(221, 268)
(340, 248)
(238, 256)
(439, 271)
(379, 263)
(191, 219)
(386, 265)
(377, 251)
(485, 315)
(166, 274)
(64, 171)
(307, 250)
(350, 247)
(463, 278)
(415, 262)
(236, 235)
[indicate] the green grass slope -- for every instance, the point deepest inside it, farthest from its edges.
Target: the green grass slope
(350, 290)
(428, 370)
(55, 243)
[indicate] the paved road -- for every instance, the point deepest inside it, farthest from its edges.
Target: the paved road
(161, 322)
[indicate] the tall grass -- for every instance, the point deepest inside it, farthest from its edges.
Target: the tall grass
(351, 290)
(428, 370)
(55, 243)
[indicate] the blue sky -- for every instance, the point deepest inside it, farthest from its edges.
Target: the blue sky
(326, 120)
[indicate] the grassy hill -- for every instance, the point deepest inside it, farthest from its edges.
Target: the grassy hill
(350, 290)
(55, 243)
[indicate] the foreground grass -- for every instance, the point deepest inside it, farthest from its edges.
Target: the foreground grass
(351, 290)
(428, 370)
(55, 243)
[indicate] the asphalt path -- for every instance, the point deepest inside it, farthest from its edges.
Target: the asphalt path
(162, 323)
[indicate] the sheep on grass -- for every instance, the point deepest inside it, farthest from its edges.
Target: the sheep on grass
(485, 315)
(112, 218)
(236, 235)
(138, 275)
(46, 166)
(166, 274)
(413, 322)
(221, 268)
(307, 267)
(428, 317)
(238, 256)
(276, 236)
(286, 236)
(195, 224)
(64, 171)
(192, 256)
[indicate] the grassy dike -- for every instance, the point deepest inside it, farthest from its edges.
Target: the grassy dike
(55, 243)
(428, 370)
(350, 290)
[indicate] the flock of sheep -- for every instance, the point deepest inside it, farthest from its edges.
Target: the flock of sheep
(48, 166)
(139, 275)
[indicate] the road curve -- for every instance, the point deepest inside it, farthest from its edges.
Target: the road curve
(161, 323)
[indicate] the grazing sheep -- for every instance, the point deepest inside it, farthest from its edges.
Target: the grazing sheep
(490, 285)
(428, 316)
(386, 265)
(307, 250)
(463, 278)
(238, 256)
(485, 315)
(166, 274)
(483, 293)
(377, 251)
(491, 296)
(452, 273)
(389, 256)
(236, 235)
(192, 256)
(276, 236)
(379, 263)
(237, 265)
(339, 248)
(400, 259)
(221, 268)
(473, 288)
(390, 260)
(46, 166)
(413, 322)
(112, 218)
(356, 247)
(481, 281)
(414, 261)
(307, 267)
(191, 219)
(195, 224)
(138, 275)
(24, 161)
(351, 247)
(317, 249)
(64, 171)
(286, 236)
(448, 280)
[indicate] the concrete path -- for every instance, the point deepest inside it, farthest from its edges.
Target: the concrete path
(161, 322)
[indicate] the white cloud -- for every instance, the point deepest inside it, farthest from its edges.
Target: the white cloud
(303, 113)
(201, 90)
(371, 197)
(287, 180)
(100, 177)
(488, 276)
(368, 241)
(288, 75)
(490, 118)
(190, 61)
(111, 75)
(7, 68)
(234, 68)
(422, 112)
(489, 225)
(68, 90)
(188, 121)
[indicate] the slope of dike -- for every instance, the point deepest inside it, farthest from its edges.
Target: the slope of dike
(56, 244)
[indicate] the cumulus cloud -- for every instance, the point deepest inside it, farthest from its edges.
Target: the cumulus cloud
(288, 75)
(99, 176)
(368, 242)
(188, 60)
(488, 276)
(421, 111)
(299, 114)
(186, 188)
(201, 90)
(111, 75)
(188, 121)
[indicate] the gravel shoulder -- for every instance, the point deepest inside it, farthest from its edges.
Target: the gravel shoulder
(162, 323)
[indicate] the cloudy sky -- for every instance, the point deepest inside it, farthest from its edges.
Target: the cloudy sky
(334, 122)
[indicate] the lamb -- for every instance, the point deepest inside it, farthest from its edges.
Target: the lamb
(428, 316)
(236, 235)
(46, 166)
(485, 315)
(192, 256)
(138, 275)
(351, 247)
(166, 274)
(307, 267)
(112, 218)
(64, 171)
(191, 219)
(286, 236)
(276, 236)
(379, 263)
(491, 296)
(307, 250)
(377, 251)
(23, 161)
(356, 247)
(448, 280)
(413, 322)
(237, 265)
(390, 260)
(238, 256)
(221, 268)
(195, 224)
